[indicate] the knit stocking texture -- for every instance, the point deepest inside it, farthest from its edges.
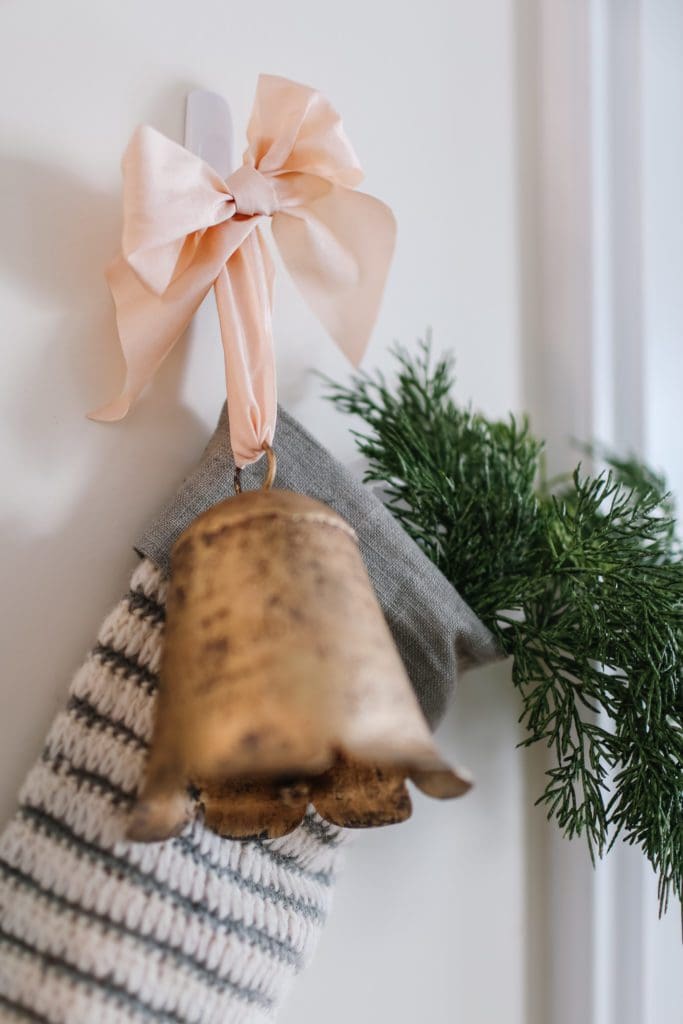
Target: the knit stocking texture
(98, 930)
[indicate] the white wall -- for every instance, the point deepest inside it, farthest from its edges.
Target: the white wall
(430, 919)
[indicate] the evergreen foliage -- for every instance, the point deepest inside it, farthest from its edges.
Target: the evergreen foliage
(580, 579)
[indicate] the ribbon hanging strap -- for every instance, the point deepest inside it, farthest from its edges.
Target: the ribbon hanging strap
(186, 230)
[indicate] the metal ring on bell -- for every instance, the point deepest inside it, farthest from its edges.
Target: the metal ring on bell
(270, 473)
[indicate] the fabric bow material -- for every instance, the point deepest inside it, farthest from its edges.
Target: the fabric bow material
(186, 230)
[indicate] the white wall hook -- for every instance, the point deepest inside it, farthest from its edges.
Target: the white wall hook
(208, 130)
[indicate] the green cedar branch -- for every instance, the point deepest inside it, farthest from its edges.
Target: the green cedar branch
(581, 580)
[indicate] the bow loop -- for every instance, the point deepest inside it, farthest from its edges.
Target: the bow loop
(187, 231)
(170, 197)
(295, 128)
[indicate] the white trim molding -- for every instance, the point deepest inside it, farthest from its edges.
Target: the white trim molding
(598, 300)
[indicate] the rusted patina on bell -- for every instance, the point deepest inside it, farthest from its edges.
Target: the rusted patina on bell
(281, 685)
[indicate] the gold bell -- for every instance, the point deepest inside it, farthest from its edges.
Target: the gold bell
(280, 682)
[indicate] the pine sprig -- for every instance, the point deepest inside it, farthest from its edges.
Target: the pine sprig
(581, 582)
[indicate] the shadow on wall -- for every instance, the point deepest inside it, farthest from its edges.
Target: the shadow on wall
(58, 234)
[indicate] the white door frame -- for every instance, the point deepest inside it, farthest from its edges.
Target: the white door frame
(582, 70)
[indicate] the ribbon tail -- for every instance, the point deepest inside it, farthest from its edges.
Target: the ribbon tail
(149, 326)
(338, 247)
(244, 298)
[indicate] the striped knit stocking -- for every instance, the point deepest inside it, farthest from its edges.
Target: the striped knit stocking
(197, 929)
(98, 930)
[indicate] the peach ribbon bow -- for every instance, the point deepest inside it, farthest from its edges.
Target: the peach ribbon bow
(186, 230)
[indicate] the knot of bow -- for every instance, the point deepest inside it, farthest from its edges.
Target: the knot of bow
(187, 230)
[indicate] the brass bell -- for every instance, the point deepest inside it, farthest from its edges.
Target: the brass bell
(280, 682)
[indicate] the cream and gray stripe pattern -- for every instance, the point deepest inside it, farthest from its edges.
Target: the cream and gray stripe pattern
(98, 930)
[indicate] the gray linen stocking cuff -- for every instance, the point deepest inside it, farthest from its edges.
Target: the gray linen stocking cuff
(436, 632)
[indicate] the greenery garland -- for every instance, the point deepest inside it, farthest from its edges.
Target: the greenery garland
(580, 579)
